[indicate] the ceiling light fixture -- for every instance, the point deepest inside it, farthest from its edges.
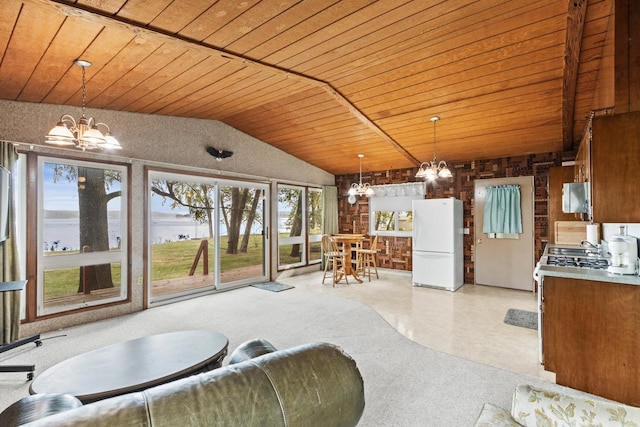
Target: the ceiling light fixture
(360, 189)
(432, 170)
(84, 133)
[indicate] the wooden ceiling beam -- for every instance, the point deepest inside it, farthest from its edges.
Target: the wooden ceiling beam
(95, 16)
(575, 27)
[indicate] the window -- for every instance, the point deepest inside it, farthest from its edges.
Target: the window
(393, 221)
(299, 225)
(82, 234)
(391, 210)
(384, 221)
(315, 224)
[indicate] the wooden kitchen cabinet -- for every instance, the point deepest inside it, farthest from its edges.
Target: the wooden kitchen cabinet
(582, 167)
(615, 168)
(591, 336)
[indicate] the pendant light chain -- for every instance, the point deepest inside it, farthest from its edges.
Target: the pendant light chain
(435, 142)
(84, 91)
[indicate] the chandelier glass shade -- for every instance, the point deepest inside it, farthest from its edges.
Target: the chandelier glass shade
(358, 188)
(82, 133)
(434, 169)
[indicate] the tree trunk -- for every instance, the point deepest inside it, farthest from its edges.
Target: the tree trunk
(296, 228)
(250, 218)
(238, 202)
(94, 227)
(210, 222)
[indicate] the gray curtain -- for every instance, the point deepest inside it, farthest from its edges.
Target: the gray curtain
(330, 209)
(329, 212)
(9, 301)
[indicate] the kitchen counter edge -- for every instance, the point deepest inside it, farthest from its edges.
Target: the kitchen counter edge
(582, 273)
(588, 274)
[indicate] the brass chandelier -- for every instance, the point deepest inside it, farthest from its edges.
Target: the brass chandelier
(83, 133)
(358, 188)
(433, 169)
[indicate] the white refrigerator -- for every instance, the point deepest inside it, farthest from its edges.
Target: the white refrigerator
(438, 243)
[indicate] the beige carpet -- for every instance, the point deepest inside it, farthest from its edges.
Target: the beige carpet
(406, 384)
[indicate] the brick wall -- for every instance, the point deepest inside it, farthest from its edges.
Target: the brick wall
(396, 251)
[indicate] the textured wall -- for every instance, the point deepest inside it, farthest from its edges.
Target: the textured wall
(165, 139)
(396, 251)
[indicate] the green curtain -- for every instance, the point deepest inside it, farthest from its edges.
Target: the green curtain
(9, 301)
(502, 212)
(329, 212)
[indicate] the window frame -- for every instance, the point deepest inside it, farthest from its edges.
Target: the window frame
(119, 256)
(396, 231)
(395, 198)
(305, 239)
(313, 238)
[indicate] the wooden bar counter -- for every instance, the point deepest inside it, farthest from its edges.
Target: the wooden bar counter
(350, 243)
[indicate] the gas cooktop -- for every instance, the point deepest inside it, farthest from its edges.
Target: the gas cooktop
(565, 261)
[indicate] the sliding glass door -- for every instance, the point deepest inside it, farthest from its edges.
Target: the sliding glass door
(181, 234)
(203, 234)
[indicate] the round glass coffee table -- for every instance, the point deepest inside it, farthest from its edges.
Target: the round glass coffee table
(134, 365)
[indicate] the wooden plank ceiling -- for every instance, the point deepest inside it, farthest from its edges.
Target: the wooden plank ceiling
(325, 80)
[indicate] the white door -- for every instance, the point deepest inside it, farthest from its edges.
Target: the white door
(506, 263)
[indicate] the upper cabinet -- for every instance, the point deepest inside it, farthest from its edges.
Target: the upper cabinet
(582, 168)
(615, 168)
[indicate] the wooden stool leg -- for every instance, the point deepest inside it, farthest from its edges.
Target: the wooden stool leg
(368, 266)
(335, 271)
(375, 265)
(326, 266)
(343, 266)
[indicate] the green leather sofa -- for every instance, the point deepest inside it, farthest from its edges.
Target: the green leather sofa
(310, 385)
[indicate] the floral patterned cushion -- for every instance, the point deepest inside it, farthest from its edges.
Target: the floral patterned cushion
(493, 415)
(537, 407)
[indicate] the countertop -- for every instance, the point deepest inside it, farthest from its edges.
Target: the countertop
(582, 273)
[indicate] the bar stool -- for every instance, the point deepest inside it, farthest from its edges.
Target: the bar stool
(333, 255)
(367, 258)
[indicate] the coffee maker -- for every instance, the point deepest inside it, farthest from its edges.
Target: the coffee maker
(624, 254)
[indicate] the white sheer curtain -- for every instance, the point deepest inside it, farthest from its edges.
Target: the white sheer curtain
(9, 301)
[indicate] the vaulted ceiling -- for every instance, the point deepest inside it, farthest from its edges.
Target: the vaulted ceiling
(325, 80)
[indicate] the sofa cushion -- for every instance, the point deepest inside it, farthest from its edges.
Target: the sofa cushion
(251, 349)
(495, 416)
(532, 407)
(37, 406)
(310, 385)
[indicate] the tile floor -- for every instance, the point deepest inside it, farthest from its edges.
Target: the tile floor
(467, 323)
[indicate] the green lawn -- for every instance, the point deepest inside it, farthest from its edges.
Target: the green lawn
(172, 260)
(169, 260)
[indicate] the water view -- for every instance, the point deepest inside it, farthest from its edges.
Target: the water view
(63, 234)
